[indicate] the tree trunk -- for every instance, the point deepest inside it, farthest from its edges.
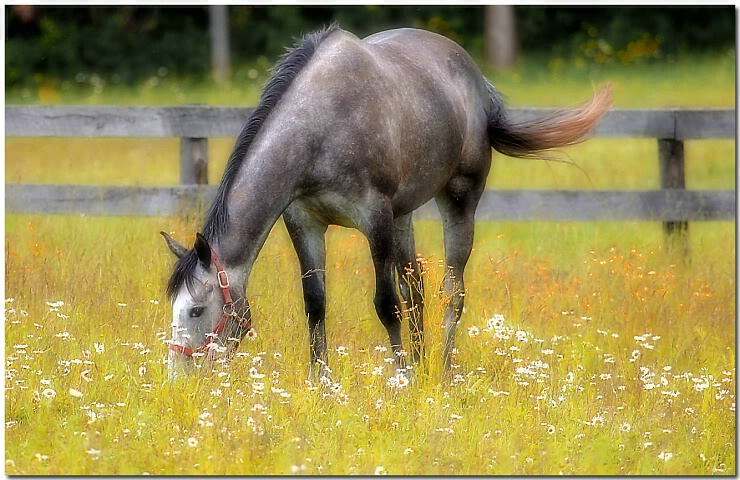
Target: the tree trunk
(501, 43)
(220, 62)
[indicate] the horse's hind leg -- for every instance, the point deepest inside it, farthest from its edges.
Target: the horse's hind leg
(308, 237)
(410, 283)
(378, 228)
(457, 204)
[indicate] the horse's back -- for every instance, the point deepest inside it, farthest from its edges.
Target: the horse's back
(406, 68)
(430, 52)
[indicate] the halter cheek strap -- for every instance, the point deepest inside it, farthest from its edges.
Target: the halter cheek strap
(229, 311)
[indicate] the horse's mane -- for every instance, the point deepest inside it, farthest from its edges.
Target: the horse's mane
(217, 219)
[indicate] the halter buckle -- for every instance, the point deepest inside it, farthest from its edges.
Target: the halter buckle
(223, 279)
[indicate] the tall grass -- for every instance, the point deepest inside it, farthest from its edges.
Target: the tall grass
(611, 353)
(585, 348)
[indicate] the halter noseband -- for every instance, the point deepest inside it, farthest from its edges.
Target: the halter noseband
(228, 312)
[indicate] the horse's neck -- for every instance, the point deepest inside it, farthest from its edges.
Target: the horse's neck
(261, 190)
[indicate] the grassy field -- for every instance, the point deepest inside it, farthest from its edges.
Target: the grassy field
(585, 348)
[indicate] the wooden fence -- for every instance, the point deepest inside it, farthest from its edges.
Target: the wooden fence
(672, 204)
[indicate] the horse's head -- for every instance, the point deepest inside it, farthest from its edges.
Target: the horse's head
(205, 322)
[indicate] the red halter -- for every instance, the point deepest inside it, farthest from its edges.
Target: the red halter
(228, 312)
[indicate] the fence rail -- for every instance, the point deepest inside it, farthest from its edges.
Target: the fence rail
(201, 122)
(672, 205)
(500, 205)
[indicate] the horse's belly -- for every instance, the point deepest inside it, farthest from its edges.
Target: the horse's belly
(331, 209)
(414, 194)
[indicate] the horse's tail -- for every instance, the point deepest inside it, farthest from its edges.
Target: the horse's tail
(530, 139)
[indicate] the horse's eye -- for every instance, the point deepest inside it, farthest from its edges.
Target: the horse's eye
(196, 312)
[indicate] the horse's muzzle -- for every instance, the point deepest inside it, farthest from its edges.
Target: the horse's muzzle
(179, 364)
(183, 364)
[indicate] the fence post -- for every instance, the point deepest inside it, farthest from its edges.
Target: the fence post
(673, 176)
(193, 161)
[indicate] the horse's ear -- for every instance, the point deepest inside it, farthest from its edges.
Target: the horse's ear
(175, 247)
(203, 250)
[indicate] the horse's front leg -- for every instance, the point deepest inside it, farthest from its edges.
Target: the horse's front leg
(308, 237)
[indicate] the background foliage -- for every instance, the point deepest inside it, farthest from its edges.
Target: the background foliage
(124, 44)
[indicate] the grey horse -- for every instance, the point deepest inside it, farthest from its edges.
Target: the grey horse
(358, 133)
